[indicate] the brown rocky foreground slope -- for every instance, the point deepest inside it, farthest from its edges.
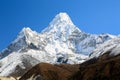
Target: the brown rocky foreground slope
(104, 68)
(45, 71)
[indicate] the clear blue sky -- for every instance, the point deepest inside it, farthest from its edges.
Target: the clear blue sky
(92, 16)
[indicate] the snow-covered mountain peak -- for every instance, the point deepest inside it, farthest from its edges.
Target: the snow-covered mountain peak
(60, 42)
(62, 17)
(25, 33)
(26, 29)
(61, 23)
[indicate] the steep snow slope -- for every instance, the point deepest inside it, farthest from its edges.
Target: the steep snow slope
(112, 46)
(60, 42)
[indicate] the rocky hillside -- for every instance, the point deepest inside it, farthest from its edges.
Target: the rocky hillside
(46, 71)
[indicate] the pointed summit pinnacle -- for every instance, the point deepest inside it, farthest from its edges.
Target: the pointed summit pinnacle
(62, 17)
(61, 22)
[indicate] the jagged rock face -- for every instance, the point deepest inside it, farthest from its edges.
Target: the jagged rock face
(60, 42)
(45, 71)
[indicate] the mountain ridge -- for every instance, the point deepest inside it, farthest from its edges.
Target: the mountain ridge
(60, 42)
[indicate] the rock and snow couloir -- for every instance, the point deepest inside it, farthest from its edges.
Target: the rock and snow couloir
(60, 42)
